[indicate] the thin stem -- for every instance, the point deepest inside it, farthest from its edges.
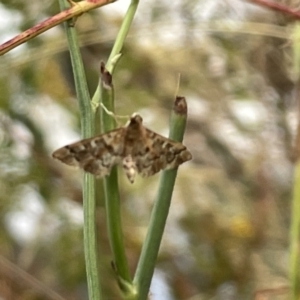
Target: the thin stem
(111, 188)
(116, 54)
(294, 260)
(122, 34)
(87, 129)
(150, 248)
(77, 9)
(105, 94)
(294, 236)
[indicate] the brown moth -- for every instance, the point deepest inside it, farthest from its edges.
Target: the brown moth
(137, 148)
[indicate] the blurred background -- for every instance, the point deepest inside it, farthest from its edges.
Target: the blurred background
(227, 235)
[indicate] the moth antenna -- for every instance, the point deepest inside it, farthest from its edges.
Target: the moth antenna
(110, 113)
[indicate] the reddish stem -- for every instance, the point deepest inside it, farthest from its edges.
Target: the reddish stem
(277, 7)
(75, 10)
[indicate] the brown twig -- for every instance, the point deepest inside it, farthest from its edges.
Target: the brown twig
(277, 7)
(76, 9)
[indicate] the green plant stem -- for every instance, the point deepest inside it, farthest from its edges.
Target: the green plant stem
(105, 95)
(122, 34)
(87, 129)
(295, 205)
(111, 189)
(150, 248)
(294, 236)
(115, 55)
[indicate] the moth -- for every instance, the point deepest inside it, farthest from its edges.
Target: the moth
(137, 148)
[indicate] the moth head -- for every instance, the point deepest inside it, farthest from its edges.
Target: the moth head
(136, 119)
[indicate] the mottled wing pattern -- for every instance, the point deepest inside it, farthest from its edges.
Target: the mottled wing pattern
(96, 155)
(158, 153)
(139, 149)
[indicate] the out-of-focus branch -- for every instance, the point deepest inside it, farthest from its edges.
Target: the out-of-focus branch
(76, 9)
(277, 7)
(17, 275)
